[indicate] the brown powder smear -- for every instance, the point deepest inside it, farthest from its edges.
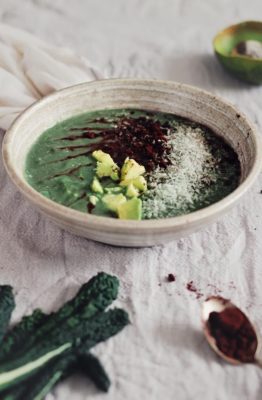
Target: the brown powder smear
(192, 288)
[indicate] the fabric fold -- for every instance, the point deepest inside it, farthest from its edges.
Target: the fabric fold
(31, 69)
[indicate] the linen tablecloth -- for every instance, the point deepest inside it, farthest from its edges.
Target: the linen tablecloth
(162, 354)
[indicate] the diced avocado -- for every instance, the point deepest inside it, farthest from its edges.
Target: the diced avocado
(132, 191)
(93, 200)
(96, 186)
(131, 170)
(139, 183)
(116, 189)
(101, 156)
(113, 201)
(104, 170)
(131, 209)
(115, 173)
(105, 165)
(125, 183)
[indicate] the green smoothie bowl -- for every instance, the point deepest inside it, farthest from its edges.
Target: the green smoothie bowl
(239, 49)
(132, 162)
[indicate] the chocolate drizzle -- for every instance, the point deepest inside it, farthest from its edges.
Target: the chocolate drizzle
(90, 207)
(71, 171)
(142, 139)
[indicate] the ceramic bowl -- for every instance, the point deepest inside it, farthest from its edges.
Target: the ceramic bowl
(165, 96)
(240, 66)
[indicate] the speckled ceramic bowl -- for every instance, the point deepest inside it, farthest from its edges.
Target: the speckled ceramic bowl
(170, 97)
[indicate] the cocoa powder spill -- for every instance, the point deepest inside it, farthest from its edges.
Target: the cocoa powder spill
(171, 278)
(214, 288)
(192, 288)
(234, 335)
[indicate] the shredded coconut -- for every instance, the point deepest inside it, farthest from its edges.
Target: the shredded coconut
(175, 190)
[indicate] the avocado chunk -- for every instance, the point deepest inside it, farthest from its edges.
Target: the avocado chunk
(132, 191)
(93, 200)
(96, 186)
(121, 197)
(115, 189)
(139, 183)
(131, 209)
(113, 201)
(106, 167)
(104, 170)
(131, 170)
(101, 156)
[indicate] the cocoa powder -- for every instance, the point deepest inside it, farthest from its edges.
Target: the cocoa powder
(234, 335)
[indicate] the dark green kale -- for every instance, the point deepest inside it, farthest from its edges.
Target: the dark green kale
(93, 297)
(7, 305)
(91, 367)
(15, 338)
(78, 326)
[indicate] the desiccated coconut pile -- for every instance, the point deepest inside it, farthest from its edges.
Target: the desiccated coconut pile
(188, 182)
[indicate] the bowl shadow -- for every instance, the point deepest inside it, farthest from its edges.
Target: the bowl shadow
(201, 70)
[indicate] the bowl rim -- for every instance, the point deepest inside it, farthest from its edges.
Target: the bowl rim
(235, 27)
(98, 223)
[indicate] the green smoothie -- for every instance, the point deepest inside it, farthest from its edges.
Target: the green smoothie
(187, 166)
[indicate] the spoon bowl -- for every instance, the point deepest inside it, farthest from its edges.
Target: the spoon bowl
(213, 307)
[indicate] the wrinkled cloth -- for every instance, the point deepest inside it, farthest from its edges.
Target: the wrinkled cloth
(163, 353)
(31, 69)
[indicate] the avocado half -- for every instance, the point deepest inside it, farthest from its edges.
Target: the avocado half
(241, 66)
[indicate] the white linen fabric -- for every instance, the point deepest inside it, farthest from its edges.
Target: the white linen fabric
(162, 354)
(31, 69)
